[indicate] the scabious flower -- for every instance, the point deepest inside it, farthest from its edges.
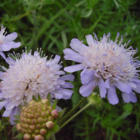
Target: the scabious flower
(30, 75)
(106, 64)
(6, 41)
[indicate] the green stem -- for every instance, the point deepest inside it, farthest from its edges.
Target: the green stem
(53, 137)
(21, 16)
(86, 106)
(5, 128)
(72, 111)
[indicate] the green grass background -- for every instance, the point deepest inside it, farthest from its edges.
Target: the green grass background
(50, 25)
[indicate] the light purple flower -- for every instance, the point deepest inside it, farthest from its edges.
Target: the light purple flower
(106, 64)
(6, 41)
(30, 75)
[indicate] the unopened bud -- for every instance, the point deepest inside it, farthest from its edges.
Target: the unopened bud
(44, 125)
(34, 121)
(26, 126)
(54, 113)
(32, 127)
(50, 108)
(32, 116)
(31, 102)
(50, 118)
(37, 115)
(40, 120)
(36, 131)
(23, 108)
(45, 101)
(45, 120)
(27, 137)
(38, 126)
(18, 126)
(43, 131)
(50, 124)
(44, 114)
(39, 137)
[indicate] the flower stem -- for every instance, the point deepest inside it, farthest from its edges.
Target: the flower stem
(72, 110)
(86, 106)
(53, 137)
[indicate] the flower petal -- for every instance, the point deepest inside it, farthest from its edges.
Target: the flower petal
(1, 74)
(87, 76)
(133, 97)
(90, 40)
(126, 97)
(56, 59)
(65, 92)
(15, 111)
(10, 37)
(58, 95)
(16, 45)
(102, 88)
(78, 45)
(107, 83)
(69, 77)
(7, 113)
(87, 89)
(3, 55)
(137, 89)
(74, 68)
(123, 87)
(3, 103)
(7, 46)
(72, 55)
(112, 96)
(67, 85)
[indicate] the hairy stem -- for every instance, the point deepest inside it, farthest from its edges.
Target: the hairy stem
(82, 109)
(72, 110)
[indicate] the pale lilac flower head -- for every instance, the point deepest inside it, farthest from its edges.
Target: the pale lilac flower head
(6, 41)
(106, 64)
(30, 75)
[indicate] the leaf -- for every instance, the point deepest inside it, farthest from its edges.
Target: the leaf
(61, 114)
(11, 55)
(34, 98)
(39, 98)
(14, 129)
(55, 128)
(54, 104)
(49, 98)
(17, 116)
(19, 136)
(48, 135)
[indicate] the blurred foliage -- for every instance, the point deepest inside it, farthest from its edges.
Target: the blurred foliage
(51, 24)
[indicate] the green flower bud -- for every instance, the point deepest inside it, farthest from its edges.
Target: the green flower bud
(40, 120)
(39, 137)
(45, 101)
(31, 102)
(27, 137)
(36, 119)
(38, 126)
(54, 113)
(37, 115)
(32, 127)
(50, 118)
(18, 126)
(37, 132)
(43, 131)
(50, 124)
(44, 114)
(44, 125)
